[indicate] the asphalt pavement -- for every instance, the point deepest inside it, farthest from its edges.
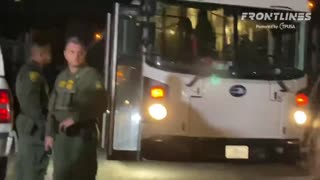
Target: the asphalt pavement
(161, 170)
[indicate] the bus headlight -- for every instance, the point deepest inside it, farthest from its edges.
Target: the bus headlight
(158, 111)
(300, 117)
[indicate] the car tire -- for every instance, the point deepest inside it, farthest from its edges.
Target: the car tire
(3, 167)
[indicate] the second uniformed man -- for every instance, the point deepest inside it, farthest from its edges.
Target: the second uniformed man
(78, 99)
(32, 93)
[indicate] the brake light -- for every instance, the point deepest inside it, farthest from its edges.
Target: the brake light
(4, 97)
(5, 114)
(157, 92)
(302, 99)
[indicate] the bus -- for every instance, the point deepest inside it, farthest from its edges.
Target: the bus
(216, 79)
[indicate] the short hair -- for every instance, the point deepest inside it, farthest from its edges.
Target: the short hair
(76, 40)
(40, 43)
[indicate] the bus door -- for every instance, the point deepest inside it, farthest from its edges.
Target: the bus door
(121, 125)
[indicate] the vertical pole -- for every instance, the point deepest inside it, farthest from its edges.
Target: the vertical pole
(106, 77)
(113, 72)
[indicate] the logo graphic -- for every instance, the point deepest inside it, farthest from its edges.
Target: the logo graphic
(276, 20)
(276, 16)
(238, 90)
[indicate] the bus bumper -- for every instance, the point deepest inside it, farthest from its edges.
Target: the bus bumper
(207, 149)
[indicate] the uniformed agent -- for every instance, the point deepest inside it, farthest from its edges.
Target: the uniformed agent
(77, 101)
(32, 93)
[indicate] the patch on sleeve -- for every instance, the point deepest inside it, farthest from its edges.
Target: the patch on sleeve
(99, 85)
(34, 76)
(62, 84)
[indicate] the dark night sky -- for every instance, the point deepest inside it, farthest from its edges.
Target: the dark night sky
(16, 17)
(19, 16)
(53, 19)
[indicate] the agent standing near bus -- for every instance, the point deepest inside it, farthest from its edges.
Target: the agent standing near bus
(78, 99)
(32, 93)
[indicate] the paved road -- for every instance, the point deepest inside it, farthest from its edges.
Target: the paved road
(157, 170)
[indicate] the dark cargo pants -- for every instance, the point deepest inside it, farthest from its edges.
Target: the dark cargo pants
(74, 158)
(32, 160)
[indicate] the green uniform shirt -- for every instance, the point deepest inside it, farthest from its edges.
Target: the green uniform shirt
(32, 93)
(80, 96)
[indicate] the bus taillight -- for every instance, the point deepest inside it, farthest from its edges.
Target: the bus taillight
(301, 99)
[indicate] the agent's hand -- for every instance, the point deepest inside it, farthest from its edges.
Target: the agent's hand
(48, 143)
(65, 124)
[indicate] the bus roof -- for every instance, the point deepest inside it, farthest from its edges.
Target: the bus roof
(290, 5)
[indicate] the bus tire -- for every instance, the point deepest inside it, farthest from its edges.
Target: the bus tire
(292, 155)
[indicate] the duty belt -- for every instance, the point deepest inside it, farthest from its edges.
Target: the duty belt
(82, 129)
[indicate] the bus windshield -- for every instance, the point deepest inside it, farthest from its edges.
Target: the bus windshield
(195, 37)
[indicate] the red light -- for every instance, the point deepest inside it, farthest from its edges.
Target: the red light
(301, 99)
(157, 92)
(5, 115)
(4, 98)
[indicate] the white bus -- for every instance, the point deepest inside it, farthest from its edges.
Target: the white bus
(191, 77)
